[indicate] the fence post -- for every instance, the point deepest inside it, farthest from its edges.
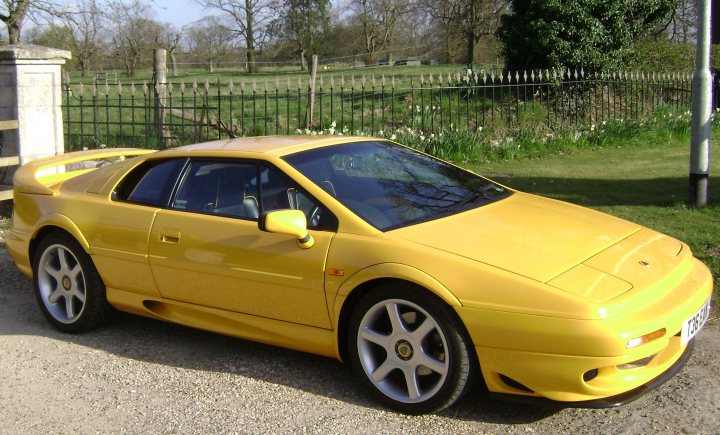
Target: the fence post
(30, 92)
(311, 93)
(160, 92)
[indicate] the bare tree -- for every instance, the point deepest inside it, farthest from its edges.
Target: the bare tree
(133, 35)
(472, 19)
(84, 22)
(378, 20)
(252, 19)
(681, 27)
(13, 17)
(14, 12)
(208, 41)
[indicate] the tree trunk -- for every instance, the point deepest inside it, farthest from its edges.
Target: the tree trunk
(130, 67)
(173, 63)
(83, 67)
(250, 36)
(303, 62)
(470, 56)
(14, 19)
(13, 32)
(470, 31)
(251, 68)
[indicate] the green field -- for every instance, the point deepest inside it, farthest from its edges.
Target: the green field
(647, 184)
(282, 75)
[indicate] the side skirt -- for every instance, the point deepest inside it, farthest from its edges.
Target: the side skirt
(263, 330)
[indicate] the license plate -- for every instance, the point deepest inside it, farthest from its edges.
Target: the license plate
(693, 325)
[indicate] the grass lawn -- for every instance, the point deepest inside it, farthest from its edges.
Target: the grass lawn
(402, 73)
(647, 184)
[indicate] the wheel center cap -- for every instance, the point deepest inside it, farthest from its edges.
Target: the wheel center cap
(66, 283)
(404, 350)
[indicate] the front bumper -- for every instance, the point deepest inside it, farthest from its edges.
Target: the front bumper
(585, 360)
(565, 378)
(606, 402)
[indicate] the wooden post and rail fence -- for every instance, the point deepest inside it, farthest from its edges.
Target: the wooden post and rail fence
(6, 193)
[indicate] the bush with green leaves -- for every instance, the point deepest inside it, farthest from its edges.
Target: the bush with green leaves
(597, 35)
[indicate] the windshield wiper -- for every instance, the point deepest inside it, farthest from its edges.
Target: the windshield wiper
(474, 196)
(471, 198)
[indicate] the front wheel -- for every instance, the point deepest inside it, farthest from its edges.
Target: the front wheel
(68, 288)
(410, 349)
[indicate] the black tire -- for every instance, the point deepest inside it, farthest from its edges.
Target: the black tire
(424, 365)
(68, 288)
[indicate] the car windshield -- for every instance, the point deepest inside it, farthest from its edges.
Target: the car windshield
(391, 186)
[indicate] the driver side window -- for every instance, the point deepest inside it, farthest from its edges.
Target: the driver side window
(245, 190)
(278, 192)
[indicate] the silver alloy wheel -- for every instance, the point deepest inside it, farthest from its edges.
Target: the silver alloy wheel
(403, 351)
(61, 283)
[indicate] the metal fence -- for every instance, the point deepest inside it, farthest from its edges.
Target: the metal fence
(171, 114)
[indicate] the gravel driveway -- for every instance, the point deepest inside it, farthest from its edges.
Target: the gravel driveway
(142, 375)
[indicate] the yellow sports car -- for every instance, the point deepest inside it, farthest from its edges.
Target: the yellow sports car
(424, 276)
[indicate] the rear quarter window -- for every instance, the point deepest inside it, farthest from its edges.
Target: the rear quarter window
(151, 183)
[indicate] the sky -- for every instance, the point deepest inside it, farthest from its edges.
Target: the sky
(177, 12)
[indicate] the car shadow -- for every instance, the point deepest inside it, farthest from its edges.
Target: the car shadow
(158, 342)
(608, 192)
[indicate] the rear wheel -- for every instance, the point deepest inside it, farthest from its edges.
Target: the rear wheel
(68, 288)
(410, 349)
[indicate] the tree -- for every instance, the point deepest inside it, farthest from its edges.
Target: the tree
(252, 19)
(471, 20)
(209, 41)
(85, 42)
(13, 17)
(305, 22)
(14, 12)
(76, 30)
(378, 20)
(594, 34)
(53, 35)
(133, 35)
(683, 21)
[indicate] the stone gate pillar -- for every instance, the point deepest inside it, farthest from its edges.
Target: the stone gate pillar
(30, 92)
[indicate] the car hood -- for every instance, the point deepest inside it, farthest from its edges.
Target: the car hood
(535, 237)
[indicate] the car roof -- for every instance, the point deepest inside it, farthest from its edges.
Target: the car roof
(275, 145)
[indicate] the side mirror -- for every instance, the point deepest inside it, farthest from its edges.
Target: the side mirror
(290, 222)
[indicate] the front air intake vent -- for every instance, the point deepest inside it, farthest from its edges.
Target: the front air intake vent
(590, 375)
(515, 384)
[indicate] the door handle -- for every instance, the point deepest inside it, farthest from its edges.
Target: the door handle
(170, 238)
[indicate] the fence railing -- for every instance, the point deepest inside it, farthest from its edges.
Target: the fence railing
(6, 191)
(127, 115)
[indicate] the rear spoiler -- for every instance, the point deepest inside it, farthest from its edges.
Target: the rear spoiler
(38, 175)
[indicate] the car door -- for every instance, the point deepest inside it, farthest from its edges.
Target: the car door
(206, 248)
(118, 230)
